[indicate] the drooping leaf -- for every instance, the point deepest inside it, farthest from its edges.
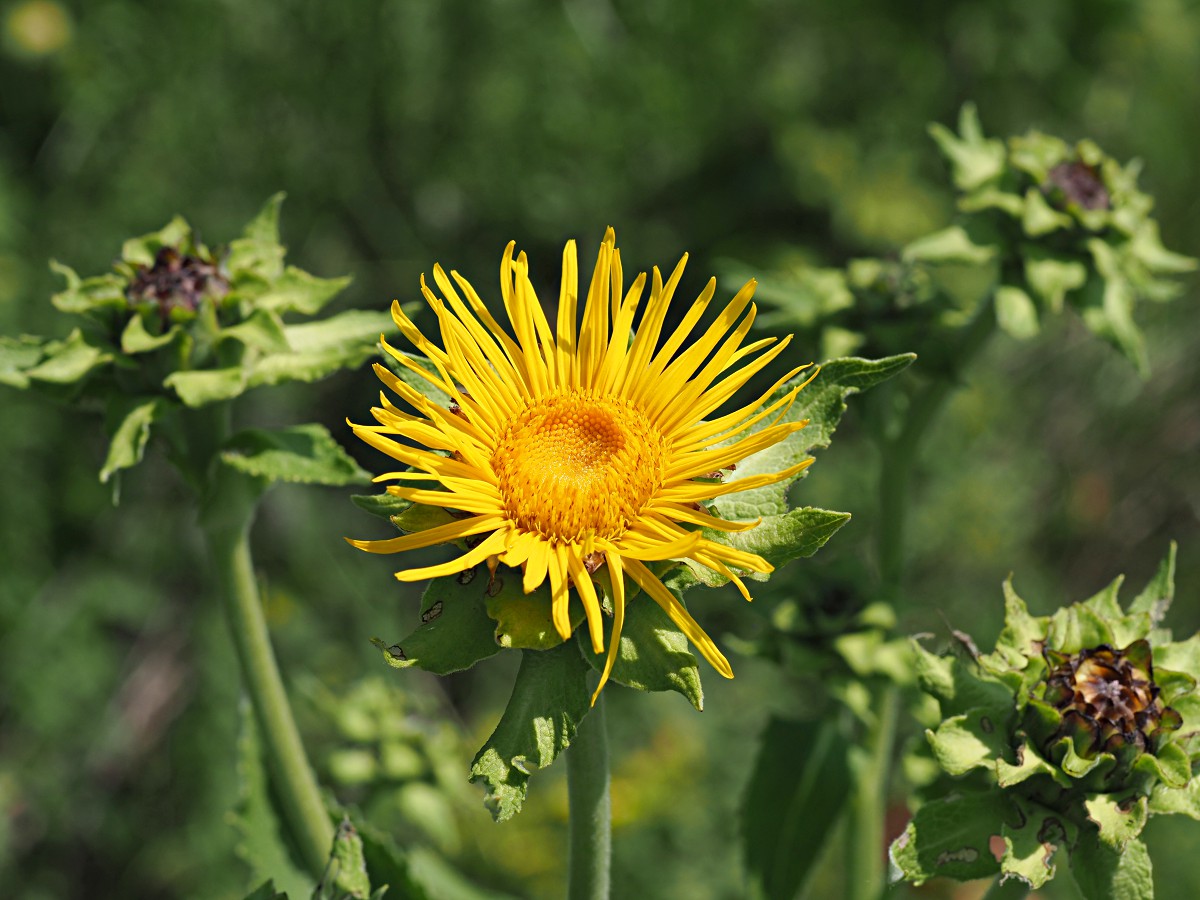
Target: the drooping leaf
(950, 245)
(199, 387)
(303, 453)
(653, 655)
(1032, 846)
(262, 330)
(548, 702)
(69, 360)
(455, 630)
(800, 784)
(295, 290)
(1119, 818)
(128, 443)
(951, 836)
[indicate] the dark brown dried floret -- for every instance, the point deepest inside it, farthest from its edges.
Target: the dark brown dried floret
(176, 281)
(1078, 183)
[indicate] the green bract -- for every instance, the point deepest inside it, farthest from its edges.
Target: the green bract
(1067, 736)
(179, 326)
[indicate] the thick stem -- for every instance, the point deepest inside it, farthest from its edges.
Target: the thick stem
(228, 531)
(590, 816)
(867, 810)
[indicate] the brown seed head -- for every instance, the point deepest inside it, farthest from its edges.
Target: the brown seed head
(1078, 183)
(176, 281)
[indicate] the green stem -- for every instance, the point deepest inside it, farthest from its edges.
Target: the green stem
(590, 815)
(231, 510)
(1012, 888)
(867, 810)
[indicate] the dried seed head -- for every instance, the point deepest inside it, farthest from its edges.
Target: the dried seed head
(1108, 698)
(176, 281)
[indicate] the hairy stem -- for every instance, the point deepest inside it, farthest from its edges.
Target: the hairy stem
(590, 816)
(228, 532)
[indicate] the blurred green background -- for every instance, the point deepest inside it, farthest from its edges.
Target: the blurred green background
(412, 132)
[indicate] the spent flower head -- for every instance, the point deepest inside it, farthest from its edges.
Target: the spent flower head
(1075, 729)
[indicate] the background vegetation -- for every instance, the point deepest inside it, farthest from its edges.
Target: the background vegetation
(763, 134)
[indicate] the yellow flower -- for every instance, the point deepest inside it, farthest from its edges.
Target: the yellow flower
(570, 445)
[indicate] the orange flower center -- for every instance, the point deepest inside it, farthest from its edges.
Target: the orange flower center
(573, 465)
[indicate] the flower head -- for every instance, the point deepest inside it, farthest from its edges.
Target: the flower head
(581, 444)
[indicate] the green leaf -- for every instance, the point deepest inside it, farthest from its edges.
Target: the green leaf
(1052, 277)
(455, 630)
(17, 355)
(1148, 249)
(345, 875)
(1021, 637)
(383, 505)
(128, 443)
(1158, 593)
(1030, 848)
(415, 381)
(1119, 818)
(959, 689)
(1029, 763)
(777, 539)
(199, 387)
(136, 338)
(297, 291)
(1170, 764)
(949, 246)
(800, 783)
(1166, 800)
(1076, 627)
(1180, 656)
(262, 837)
(549, 700)
(69, 361)
(653, 655)
(974, 160)
(950, 837)
(303, 453)
(258, 249)
(972, 740)
(83, 296)
(822, 403)
(142, 250)
(318, 349)
(1016, 313)
(262, 329)
(1102, 872)
(523, 621)
(1039, 217)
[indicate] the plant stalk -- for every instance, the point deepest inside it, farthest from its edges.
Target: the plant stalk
(867, 809)
(590, 814)
(228, 532)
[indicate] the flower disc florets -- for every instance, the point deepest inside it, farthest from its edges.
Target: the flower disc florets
(1110, 696)
(176, 281)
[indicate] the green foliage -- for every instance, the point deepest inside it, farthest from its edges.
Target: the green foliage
(1014, 734)
(303, 453)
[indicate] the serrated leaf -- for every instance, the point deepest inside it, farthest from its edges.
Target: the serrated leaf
(974, 160)
(128, 443)
(303, 453)
(949, 246)
(971, 740)
(199, 387)
(1051, 277)
(1119, 818)
(777, 539)
(89, 295)
(262, 839)
(653, 655)
(142, 250)
(18, 355)
(1016, 313)
(455, 630)
(318, 349)
(137, 339)
(822, 402)
(957, 688)
(69, 360)
(1101, 871)
(1158, 593)
(523, 621)
(258, 249)
(295, 290)
(1021, 637)
(548, 702)
(800, 783)
(262, 329)
(950, 837)
(1030, 848)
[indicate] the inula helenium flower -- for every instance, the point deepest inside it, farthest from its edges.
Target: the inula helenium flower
(579, 443)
